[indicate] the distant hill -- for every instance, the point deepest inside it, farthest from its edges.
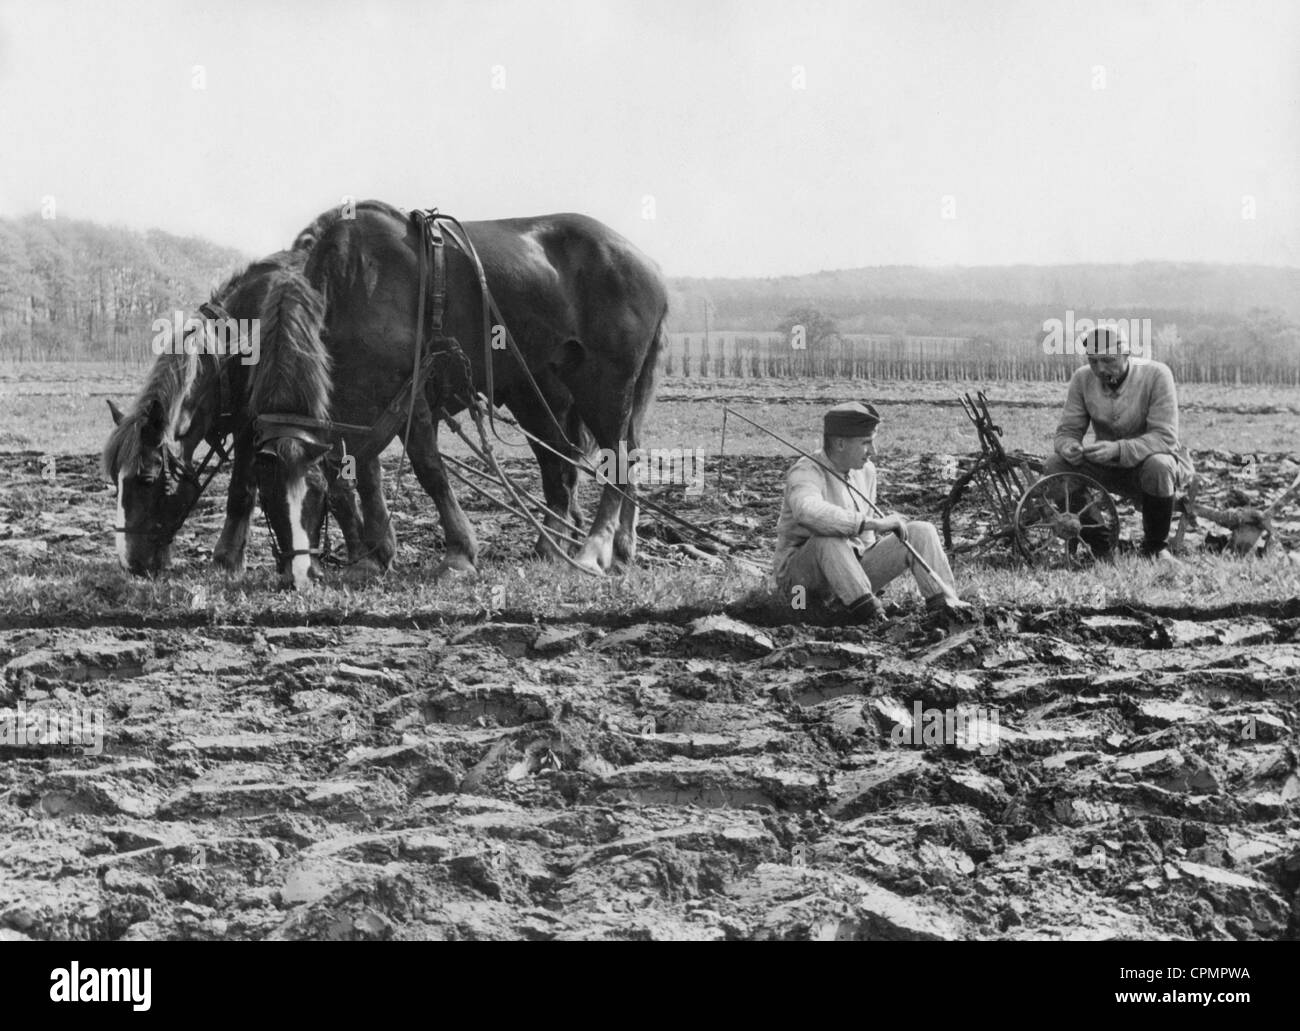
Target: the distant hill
(72, 289)
(961, 301)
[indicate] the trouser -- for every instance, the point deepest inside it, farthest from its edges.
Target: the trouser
(1151, 486)
(1157, 476)
(828, 565)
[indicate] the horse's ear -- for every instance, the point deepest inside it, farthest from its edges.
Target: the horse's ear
(315, 449)
(117, 413)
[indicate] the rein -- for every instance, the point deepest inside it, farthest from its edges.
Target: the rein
(215, 437)
(431, 238)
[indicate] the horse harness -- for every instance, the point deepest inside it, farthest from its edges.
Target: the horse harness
(176, 472)
(320, 433)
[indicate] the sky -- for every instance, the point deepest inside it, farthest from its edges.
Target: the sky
(723, 138)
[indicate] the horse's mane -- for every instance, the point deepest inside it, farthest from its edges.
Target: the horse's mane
(170, 381)
(290, 259)
(173, 376)
(307, 239)
(293, 375)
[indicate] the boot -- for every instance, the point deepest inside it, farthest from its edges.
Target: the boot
(1157, 514)
(867, 609)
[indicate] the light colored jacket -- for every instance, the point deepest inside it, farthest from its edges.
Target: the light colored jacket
(817, 504)
(1142, 415)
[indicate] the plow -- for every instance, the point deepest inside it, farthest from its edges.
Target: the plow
(1066, 516)
(1070, 518)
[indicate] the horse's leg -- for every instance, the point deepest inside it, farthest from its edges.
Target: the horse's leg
(637, 402)
(625, 535)
(559, 478)
(575, 429)
(347, 514)
(606, 412)
(458, 534)
(378, 537)
(241, 499)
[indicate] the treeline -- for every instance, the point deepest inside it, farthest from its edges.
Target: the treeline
(1263, 348)
(1213, 323)
(72, 289)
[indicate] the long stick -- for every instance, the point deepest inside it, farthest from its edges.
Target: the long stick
(844, 480)
(722, 457)
(585, 466)
(507, 486)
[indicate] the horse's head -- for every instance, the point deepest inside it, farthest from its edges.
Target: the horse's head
(156, 486)
(293, 490)
(290, 404)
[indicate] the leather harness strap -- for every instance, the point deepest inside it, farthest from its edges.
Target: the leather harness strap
(274, 425)
(430, 249)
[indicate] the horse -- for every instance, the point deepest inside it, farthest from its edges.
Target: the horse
(586, 308)
(149, 453)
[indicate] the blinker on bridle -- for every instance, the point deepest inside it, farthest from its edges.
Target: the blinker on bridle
(174, 472)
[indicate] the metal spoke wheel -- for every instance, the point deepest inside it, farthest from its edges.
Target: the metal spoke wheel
(1066, 516)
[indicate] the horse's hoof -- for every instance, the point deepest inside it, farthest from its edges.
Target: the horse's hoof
(589, 565)
(365, 570)
(547, 551)
(231, 565)
(454, 568)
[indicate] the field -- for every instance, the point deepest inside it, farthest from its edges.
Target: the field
(669, 753)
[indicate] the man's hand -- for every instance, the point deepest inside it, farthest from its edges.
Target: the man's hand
(1103, 452)
(1072, 452)
(895, 524)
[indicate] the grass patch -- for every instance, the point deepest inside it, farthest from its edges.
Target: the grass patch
(57, 591)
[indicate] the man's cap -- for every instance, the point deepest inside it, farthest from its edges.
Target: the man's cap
(851, 419)
(1106, 340)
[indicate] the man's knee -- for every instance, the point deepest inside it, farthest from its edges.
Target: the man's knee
(822, 547)
(1057, 464)
(808, 566)
(1158, 475)
(919, 533)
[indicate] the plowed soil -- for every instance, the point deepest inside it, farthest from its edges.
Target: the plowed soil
(682, 776)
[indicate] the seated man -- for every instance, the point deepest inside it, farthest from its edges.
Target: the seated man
(1133, 410)
(826, 535)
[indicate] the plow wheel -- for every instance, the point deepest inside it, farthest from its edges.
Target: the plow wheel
(1066, 515)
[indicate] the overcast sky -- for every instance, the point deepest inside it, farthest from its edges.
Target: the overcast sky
(756, 138)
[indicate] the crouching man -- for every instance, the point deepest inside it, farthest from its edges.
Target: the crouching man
(1133, 410)
(826, 537)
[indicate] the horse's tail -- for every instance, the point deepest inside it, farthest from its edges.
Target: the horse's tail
(647, 379)
(292, 371)
(577, 433)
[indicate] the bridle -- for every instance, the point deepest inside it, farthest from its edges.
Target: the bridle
(432, 229)
(177, 471)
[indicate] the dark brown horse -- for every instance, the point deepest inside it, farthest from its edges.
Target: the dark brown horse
(585, 306)
(149, 454)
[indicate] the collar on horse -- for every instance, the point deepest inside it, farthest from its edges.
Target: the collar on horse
(222, 425)
(319, 433)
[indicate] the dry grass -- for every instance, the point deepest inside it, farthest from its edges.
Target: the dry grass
(63, 587)
(69, 590)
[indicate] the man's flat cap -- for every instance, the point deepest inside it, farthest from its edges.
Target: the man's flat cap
(851, 419)
(1106, 340)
